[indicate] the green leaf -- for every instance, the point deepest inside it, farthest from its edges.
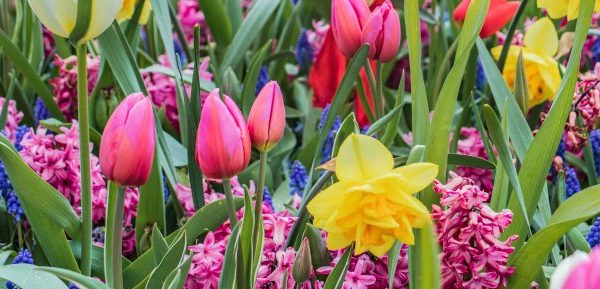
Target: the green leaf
(151, 205)
(48, 212)
(217, 21)
(20, 63)
(249, 88)
(348, 127)
(228, 272)
(159, 244)
(246, 236)
(27, 277)
(437, 143)
(172, 259)
(470, 161)
(338, 274)
(521, 88)
(319, 254)
(540, 154)
(392, 129)
(384, 120)
(393, 256)
(97, 258)
(249, 31)
(81, 280)
(529, 259)
(208, 218)
(420, 106)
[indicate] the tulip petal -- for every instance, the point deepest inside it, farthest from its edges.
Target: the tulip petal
(104, 12)
(542, 37)
(57, 15)
(500, 13)
(417, 176)
(362, 157)
(564, 269)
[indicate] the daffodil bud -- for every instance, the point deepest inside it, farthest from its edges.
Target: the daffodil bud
(80, 21)
(303, 264)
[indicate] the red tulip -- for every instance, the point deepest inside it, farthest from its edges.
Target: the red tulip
(499, 13)
(266, 122)
(347, 20)
(128, 142)
(382, 32)
(223, 141)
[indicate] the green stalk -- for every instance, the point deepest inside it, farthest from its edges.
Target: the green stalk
(84, 155)
(260, 185)
(229, 201)
(113, 246)
(373, 88)
(381, 102)
(511, 34)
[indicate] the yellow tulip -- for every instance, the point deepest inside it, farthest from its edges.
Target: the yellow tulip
(372, 204)
(561, 8)
(59, 16)
(540, 45)
(129, 9)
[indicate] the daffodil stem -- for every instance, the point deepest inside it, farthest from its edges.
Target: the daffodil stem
(84, 155)
(113, 242)
(262, 168)
(230, 205)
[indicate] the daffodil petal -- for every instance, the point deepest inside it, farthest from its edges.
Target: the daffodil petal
(417, 176)
(327, 201)
(362, 157)
(336, 241)
(542, 37)
(379, 251)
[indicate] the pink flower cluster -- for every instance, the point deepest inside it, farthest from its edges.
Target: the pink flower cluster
(13, 119)
(190, 15)
(55, 157)
(65, 83)
(364, 272)
(471, 144)
(468, 230)
(162, 88)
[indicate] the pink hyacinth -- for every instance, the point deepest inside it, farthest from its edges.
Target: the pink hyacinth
(13, 119)
(162, 88)
(468, 230)
(190, 15)
(471, 144)
(65, 84)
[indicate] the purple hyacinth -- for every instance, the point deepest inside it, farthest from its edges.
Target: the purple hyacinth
(596, 51)
(593, 237)
(263, 79)
(13, 206)
(24, 257)
(304, 51)
(595, 144)
(267, 197)
(298, 178)
(40, 111)
(480, 79)
(571, 181)
(327, 148)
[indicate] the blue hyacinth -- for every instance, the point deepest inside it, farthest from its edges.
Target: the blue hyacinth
(595, 144)
(263, 79)
(593, 237)
(24, 257)
(571, 181)
(304, 51)
(40, 111)
(13, 206)
(327, 149)
(267, 197)
(165, 189)
(596, 51)
(179, 51)
(298, 178)
(73, 286)
(480, 79)
(20, 133)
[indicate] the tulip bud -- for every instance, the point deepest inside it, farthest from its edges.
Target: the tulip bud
(266, 122)
(303, 264)
(128, 142)
(347, 20)
(128, 10)
(60, 17)
(223, 141)
(382, 32)
(499, 13)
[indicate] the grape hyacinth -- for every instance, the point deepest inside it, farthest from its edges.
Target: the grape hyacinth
(468, 230)
(593, 237)
(596, 51)
(263, 78)
(24, 257)
(327, 148)
(595, 144)
(40, 111)
(298, 178)
(571, 181)
(480, 79)
(304, 51)
(267, 197)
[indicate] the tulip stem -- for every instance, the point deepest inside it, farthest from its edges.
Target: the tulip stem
(260, 186)
(84, 154)
(113, 246)
(372, 88)
(230, 205)
(379, 75)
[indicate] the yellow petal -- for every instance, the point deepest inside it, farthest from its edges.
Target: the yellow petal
(327, 201)
(379, 251)
(417, 176)
(573, 9)
(104, 12)
(336, 241)
(57, 15)
(556, 8)
(362, 157)
(542, 37)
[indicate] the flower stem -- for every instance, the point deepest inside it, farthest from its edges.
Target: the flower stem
(373, 88)
(230, 205)
(381, 102)
(113, 241)
(260, 186)
(84, 155)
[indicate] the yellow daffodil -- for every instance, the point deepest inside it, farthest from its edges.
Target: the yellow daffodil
(129, 9)
(59, 16)
(540, 45)
(561, 8)
(372, 204)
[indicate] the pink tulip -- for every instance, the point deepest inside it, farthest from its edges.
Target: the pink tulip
(579, 271)
(347, 20)
(223, 141)
(382, 32)
(266, 122)
(128, 142)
